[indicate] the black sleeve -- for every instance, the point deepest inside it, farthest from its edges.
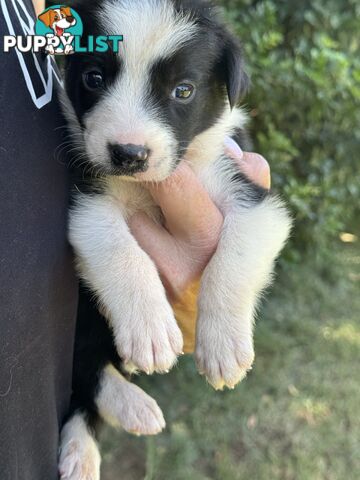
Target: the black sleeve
(38, 288)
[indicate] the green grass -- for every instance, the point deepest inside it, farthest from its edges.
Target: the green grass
(296, 416)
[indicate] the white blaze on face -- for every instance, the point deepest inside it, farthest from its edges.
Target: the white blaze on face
(62, 23)
(152, 31)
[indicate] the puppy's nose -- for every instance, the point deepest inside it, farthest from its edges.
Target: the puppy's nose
(129, 158)
(70, 18)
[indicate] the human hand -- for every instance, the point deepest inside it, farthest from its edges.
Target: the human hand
(182, 248)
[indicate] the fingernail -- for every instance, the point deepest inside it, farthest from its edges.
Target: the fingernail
(232, 148)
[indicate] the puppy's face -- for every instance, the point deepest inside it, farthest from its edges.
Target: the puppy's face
(174, 76)
(59, 19)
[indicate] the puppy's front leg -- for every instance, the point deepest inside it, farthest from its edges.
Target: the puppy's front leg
(126, 283)
(241, 267)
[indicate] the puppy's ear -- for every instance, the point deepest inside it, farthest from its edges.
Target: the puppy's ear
(47, 17)
(236, 80)
(66, 11)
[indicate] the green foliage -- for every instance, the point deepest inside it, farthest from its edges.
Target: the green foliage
(304, 62)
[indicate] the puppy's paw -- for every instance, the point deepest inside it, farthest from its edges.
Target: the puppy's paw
(68, 50)
(151, 339)
(79, 457)
(50, 49)
(140, 414)
(224, 355)
(124, 404)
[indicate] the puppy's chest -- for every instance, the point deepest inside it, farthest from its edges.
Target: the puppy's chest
(133, 197)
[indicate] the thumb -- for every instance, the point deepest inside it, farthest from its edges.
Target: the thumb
(188, 210)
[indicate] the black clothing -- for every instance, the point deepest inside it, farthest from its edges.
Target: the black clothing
(38, 288)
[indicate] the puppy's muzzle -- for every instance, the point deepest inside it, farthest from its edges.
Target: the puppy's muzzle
(129, 159)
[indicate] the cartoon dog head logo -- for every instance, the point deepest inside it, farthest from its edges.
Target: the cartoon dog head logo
(59, 24)
(58, 19)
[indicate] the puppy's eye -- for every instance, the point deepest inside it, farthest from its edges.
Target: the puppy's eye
(183, 92)
(93, 80)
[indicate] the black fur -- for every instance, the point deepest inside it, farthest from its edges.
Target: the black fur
(94, 349)
(248, 192)
(82, 99)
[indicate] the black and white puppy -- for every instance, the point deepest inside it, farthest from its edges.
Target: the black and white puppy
(170, 94)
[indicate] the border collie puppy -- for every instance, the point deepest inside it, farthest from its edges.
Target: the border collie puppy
(171, 93)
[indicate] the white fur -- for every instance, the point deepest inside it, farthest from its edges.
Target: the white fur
(153, 24)
(122, 403)
(209, 145)
(231, 284)
(79, 457)
(126, 282)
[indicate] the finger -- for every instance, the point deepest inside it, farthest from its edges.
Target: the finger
(153, 238)
(256, 168)
(232, 149)
(189, 212)
(253, 165)
(162, 248)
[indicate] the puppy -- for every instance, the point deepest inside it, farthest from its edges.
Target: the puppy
(59, 20)
(170, 94)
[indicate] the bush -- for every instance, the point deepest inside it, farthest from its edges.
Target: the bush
(304, 62)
